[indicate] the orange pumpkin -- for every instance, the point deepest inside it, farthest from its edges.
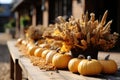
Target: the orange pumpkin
(60, 61)
(38, 52)
(89, 67)
(31, 50)
(44, 53)
(109, 65)
(24, 42)
(19, 41)
(29, 45)
(50, 55)
(73, 64)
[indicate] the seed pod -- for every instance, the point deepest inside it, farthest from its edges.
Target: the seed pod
(83, 42)
(88, 37)
(103, 21)
(107, 26)
(92, 17)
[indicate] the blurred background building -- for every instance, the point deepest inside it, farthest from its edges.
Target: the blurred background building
(4, 15)
(24, 13)
(47, 10)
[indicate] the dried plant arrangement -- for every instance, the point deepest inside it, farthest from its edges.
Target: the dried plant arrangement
(83, 34)
(34, 33)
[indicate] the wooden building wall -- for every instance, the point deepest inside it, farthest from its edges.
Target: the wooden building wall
(100, 6)
(113, 7)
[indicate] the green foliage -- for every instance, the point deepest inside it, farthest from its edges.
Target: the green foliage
(10, 24)
(24, 20)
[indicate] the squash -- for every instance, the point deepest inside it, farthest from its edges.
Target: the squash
(60, 61)
(89, 66)
(19, 41)
(24, 42)
(50, 55)
(38, 52)
(73, 63)
(31, 50)
(109, 65)
(44, 53)
(28, 45)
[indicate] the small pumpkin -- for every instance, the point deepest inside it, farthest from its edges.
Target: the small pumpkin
(50, 55)
(73, 63)
(89, 66)
(109, 65)
(29, 45)
(44, 53)
(19, 41)
(31, 50)
(24, 42)
(60, 61)
(38, 52)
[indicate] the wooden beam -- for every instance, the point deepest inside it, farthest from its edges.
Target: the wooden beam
(78, 8)
(34, 16)
(46, 14)
(17, 17)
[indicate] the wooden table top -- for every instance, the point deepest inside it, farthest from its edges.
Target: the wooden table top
(34, 73)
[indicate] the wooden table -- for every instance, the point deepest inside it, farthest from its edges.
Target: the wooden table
(21, 63)
(15, 72)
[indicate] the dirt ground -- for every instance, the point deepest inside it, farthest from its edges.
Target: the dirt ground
(4, 57)
(4, 63)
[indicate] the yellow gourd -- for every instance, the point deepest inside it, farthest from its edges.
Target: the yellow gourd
(89, 67)
(44, 53)
(73, 64)
(60, 61)
(109, 66)
(38, 52)
(31, 50)
(19, 41)
(50, 55)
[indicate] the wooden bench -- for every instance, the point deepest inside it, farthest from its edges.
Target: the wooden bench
(21, 63)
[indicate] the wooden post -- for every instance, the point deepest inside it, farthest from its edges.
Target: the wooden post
(18, 71)
(46, 14)
(17, 33)
(15, 70)
(34, 16)
(78, 8)
(11, 68)
(21, 28)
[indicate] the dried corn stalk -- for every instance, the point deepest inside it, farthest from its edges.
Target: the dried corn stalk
(84, 32)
